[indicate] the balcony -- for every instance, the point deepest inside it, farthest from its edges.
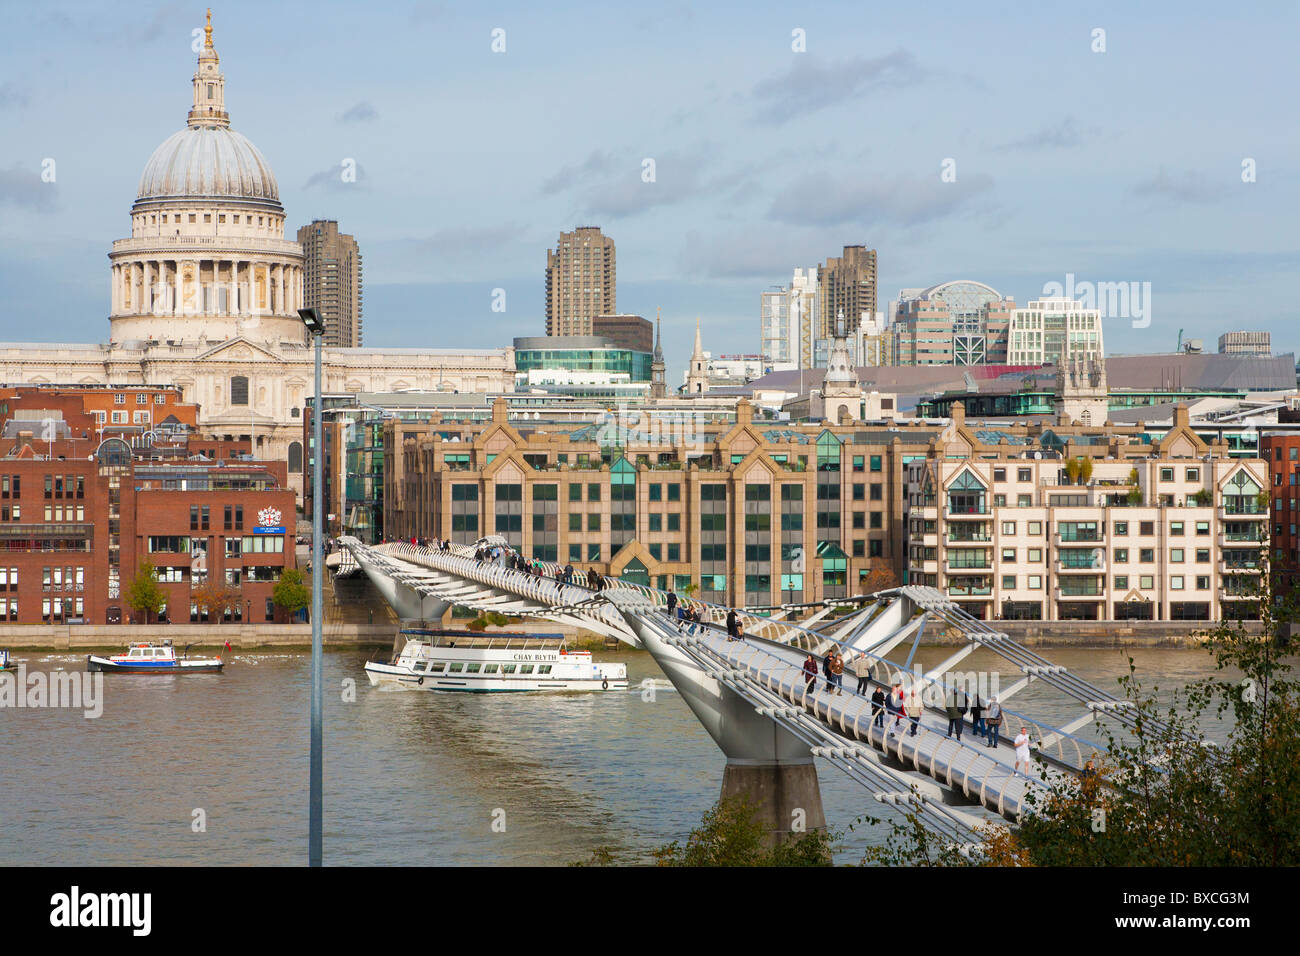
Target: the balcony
(1080, 538)
(1249, 511)
(967, 591)
(967, 515)
(1077, 590)
(985, 565)
(967, 534)
(1096, 565)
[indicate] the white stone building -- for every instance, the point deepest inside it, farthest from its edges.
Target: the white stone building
(205, 293)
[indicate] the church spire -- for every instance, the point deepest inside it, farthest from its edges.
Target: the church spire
(698, 354)
(658, 385)
(209, 85)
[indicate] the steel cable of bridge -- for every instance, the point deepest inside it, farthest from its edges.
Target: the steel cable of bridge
(501, 576)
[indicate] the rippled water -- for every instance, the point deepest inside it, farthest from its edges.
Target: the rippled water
(410, 777)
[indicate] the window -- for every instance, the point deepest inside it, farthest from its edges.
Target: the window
(1121, 582)
(656, 522)
(1166, 474)
(1035, 556)
(593, 522)
(1147, 528)
(1202, 582)
(674, 522)
(875, 463)
(674, 492)
(1008, 582)
(999, 474)
(239, 390)
(1176, 555)
(1202, 555)
(877, 492)
(1121, 555)
(1024, 474)
(575, 492)
(1009, 527)
(1193, 474)
(1175, 527)
(575, 521)
(1147, 555)
(1009, 554)
(1035, 582)
(1035, 527)
(1176, 582)
(1146, 582)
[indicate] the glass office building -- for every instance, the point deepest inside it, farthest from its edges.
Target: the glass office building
(584, 353)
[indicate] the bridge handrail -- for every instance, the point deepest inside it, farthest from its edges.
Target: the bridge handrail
(794, 634)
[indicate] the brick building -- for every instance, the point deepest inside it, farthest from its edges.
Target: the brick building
(755, 512)
(73, 530)
(1281, 452)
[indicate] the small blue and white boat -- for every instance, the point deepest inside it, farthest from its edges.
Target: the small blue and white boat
(147, 658)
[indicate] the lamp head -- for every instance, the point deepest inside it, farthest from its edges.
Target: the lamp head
(311, 318)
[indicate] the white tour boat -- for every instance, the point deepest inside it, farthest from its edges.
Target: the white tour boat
(489, 663)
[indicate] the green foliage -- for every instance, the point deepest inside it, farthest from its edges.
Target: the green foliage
(290, 592)
(488, 618)
(1085, 470)
(144, 593)
(1165, 796)
(1204, 497)
(729, 835)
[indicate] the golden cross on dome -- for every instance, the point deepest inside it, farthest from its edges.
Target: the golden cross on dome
(207, 31)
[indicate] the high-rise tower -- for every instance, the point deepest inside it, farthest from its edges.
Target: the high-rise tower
(581, 281)
(332, 280)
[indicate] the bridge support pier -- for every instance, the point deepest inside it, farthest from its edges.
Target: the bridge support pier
(786, 796)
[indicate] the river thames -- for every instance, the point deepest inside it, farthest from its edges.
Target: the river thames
(411, 778)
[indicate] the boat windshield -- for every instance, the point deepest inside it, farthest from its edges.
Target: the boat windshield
(499, 641)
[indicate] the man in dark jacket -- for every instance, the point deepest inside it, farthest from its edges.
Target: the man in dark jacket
(878, 707)
(672, 604)
(957, 706)
(733, 626)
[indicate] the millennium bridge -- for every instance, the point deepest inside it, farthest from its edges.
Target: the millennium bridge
(753, 699)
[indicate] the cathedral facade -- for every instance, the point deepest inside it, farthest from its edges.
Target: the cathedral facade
(205, 295)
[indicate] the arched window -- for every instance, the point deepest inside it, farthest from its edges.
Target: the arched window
(295, 456)
(239, 390)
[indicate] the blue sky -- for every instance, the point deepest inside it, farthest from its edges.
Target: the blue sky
(1124, 165)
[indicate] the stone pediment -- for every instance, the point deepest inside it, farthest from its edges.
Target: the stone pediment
(239, 350)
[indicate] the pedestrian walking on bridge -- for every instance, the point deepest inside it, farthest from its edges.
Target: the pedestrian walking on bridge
(957, 706)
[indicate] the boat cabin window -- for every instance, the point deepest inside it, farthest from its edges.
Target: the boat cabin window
(544, 669)
(471, 668)
(437, 668)
(489, 668)
(421, 666)
(507, 668)
(525, 668)
(456, 668)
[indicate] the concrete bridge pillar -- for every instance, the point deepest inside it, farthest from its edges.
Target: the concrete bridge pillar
(765, 762)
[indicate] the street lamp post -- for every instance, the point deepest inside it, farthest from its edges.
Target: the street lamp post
(316, 327)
